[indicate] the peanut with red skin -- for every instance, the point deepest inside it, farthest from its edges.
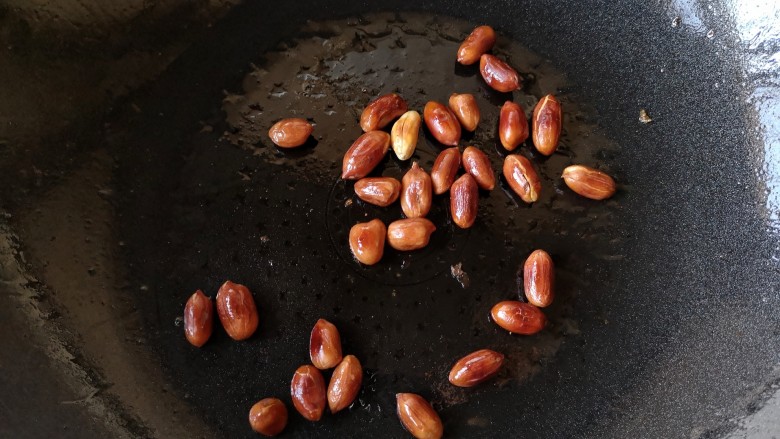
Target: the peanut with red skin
(444, 170)
(410, 233)
(237, 310)
(381, 111)
(325, 345)
(546, 125)
(345, 384)
(588, 182)
(518, 317)
(522, 178)
(476, 367)
(198, 319)
(365, 153)
(477, 163)
(268, 417)
(442, 123)
(307, 390)
(465, 108)
(418, 417)
(539, 279)
(379, 191)
(290, 133)
(498, 74)
(512, 126)
(464, 200)
(479, 41)
(367, 241)
(416, 192)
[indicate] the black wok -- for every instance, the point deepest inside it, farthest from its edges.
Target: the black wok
(667, 315)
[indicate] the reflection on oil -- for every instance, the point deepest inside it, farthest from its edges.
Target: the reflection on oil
(686, 13)
(756, 30)
(759, 35)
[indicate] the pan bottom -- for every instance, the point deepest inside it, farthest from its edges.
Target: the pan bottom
(236, 207)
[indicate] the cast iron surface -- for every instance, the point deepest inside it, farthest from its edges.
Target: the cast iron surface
(683, 303)
(675, 334)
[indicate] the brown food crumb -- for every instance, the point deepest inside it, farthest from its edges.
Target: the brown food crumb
(644, 117)
(459, 275)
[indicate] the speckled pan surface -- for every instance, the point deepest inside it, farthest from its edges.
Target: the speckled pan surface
(667, 320)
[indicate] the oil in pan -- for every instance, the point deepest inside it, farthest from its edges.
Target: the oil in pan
(277, 221)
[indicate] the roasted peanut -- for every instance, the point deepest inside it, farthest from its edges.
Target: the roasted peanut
(476, 163)
(547, 125)
(589, 182)
(380, 191)
(444, 170)
(345, 384)
(442, 123)
(476, 367)
(518, 317)
(539, 279)
(410, 233)
(268, 417)
(498, 74)
(464, 200)
(325, 345)
(416, 192)
(198, 319)
(381, 111)
(290, 133)
(418, 417)
(307, 389)
(363, 156)
(367, 241)
(479, 41)
(404, 134)
(237, 311)
(522, 177)
(512, 126)
(466, 110)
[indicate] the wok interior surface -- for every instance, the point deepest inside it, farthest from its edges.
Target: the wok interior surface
(666, 320)
(278, 221)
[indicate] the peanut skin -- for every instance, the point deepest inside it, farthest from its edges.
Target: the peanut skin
(518, 317)
(198, 319)
(345, 384)
(268, 417)
(308, 392)
(444, 170)
(588, 182)
(380, 191)
(367, 241)
(418, 417)
(442, 123)
(325, 345)
(381, 111)
(410, 233)
(290, 133)
(547, 125)
(237, 311)
(476, 367)
(539, 279)
(464, 200)
(512, 126)
(479, 41)
(498, 74)
(416, 192)
(365, 153)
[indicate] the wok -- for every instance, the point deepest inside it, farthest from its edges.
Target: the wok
(667, 314)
